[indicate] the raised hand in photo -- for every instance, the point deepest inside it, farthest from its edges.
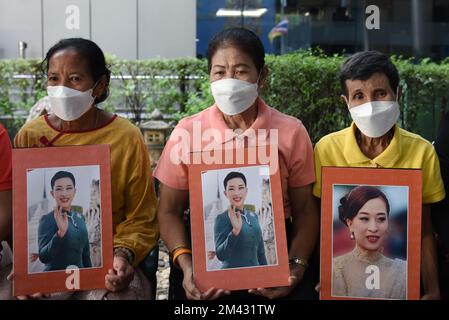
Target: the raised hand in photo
(236, 219)
(62, 221)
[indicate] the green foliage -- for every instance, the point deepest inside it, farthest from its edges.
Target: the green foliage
(143, 85)
(21, 85)
(303, 84)
(198, 100)
(306, 86)
(425, 95)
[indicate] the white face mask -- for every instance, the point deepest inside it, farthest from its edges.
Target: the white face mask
(69, 104)
(233, 96)
(375, 118)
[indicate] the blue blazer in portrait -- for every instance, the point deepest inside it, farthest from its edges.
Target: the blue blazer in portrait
(72, 249)
(244, 250)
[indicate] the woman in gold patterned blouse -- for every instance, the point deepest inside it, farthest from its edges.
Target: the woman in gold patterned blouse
(365, 272)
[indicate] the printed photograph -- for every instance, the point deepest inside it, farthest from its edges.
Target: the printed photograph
(238, 218)
(64, 218)
(370, 241)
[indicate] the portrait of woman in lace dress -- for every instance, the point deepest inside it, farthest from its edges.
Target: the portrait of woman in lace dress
(371, 268)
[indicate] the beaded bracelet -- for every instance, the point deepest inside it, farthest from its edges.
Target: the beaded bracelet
(178, 252)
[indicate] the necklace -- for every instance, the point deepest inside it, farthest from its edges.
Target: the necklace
(246, 218)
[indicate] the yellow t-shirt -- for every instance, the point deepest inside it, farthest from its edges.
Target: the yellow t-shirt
(406, 151)
(132, 191)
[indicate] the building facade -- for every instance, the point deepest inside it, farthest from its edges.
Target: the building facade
(131, 29)
(411, 28)
(140, 29)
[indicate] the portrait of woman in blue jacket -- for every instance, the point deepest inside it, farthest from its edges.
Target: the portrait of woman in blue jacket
(238, 236)
(62, 234)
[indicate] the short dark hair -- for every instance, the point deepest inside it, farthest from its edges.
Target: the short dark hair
(243, 39)
(60, 175)
(90, 51)
(352, 202)
(233, 175)
(362, 65)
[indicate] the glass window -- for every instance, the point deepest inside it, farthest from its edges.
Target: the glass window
(417, 28)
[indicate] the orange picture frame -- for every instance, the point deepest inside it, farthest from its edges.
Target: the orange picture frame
(36, 166)
(340, 254)
(208, 179)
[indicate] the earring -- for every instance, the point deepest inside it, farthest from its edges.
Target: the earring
(351, 236)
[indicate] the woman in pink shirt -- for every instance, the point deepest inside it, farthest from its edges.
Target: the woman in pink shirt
(236, 59)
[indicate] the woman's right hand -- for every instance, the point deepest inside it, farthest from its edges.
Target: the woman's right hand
(236, 220)
(62, 221)
(192, 292)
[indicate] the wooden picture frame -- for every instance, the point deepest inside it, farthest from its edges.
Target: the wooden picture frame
(370, 233)
(236, 266)
(49, 179)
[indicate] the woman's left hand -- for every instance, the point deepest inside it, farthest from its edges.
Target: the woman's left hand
(296, 274)
(122, 275)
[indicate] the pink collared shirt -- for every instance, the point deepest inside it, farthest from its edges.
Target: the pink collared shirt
(5, 160)
(295, 150)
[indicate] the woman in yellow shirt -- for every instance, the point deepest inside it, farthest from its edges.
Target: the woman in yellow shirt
(370, 83)
(78, 80)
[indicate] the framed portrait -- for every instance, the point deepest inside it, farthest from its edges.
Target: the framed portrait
(370, 233)
(62, 221)
(238, 229)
